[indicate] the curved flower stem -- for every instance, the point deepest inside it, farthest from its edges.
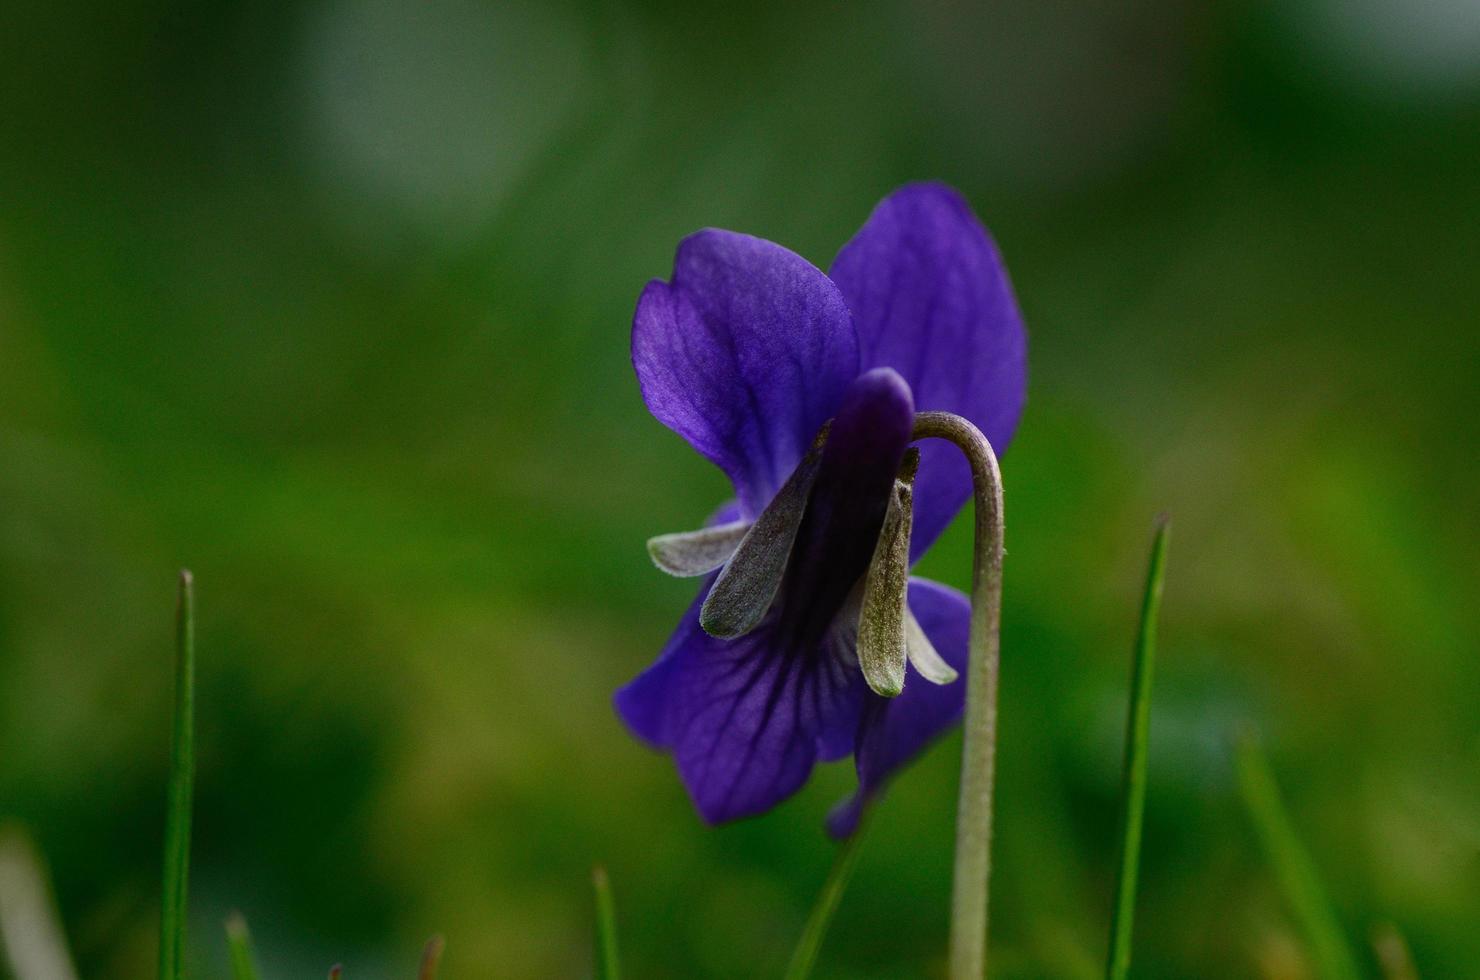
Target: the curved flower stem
(973, 864)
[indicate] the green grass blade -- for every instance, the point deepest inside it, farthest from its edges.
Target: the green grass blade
(239, 943)
(608, 963)
(1293, 866)
(1393, 955)
(804, 957)
(181, 788)
(431, 958)
(1133, 776)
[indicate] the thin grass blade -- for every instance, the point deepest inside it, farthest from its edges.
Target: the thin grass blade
(1133, 775)
(1293, 866)
(1393, 955)
(181, 789)
(804, 957)
(239, 944)
(608, 962)
(431, 958)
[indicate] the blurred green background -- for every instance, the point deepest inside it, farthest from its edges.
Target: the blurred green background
(330, 302)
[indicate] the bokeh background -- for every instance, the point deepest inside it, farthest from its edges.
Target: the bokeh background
(330, 302)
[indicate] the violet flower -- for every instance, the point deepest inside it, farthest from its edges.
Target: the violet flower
(803, 388)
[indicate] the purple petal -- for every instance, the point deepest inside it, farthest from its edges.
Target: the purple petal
(643, 701)
(931, 299)
(745, 352)
(894, 730)
(726, 513)
(746, 719)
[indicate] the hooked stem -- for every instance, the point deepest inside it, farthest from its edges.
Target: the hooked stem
(973, 865)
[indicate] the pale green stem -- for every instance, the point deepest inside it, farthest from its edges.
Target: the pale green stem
(30, 930)
(973, 865)
(181, 789)
(1133, 776)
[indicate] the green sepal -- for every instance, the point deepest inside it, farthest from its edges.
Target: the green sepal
(922, 654)
(689, 553)
(747, 586)
(882, 633)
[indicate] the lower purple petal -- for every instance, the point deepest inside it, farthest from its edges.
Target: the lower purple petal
(746, 719)
(643, 701)
(893, 731)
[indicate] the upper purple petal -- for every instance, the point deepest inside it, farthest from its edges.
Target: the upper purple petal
(893, 731)
(745, 352)
(930, 298)
(746, 719)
